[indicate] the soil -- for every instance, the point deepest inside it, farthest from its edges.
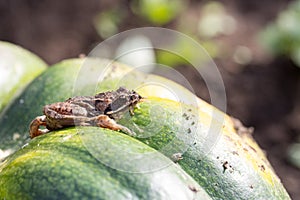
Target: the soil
(264, 94)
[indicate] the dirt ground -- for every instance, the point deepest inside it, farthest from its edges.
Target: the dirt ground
(264, 94)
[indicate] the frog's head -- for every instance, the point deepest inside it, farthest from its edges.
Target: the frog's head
(122, 100)
(132, 96)
(135, 97)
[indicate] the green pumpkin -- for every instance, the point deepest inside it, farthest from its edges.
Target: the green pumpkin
(17, 68)
(229, 166)
(58, 166)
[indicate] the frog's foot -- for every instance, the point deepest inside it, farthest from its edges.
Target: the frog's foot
(35, 125)
(105, 122)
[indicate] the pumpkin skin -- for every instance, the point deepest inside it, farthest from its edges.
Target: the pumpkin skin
(235, 168)
(232, 167)
(18, 67)
(58, 166)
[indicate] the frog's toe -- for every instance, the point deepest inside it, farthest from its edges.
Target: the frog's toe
(127, 130)
(34, 129)
(105, 122)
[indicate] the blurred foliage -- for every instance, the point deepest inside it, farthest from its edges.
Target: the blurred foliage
(186, 53)
(294, 154)
(282, 37)
(203, 24)
(107, 22)
(136, 51)
(242, 55)
(214, 20)
(158, 12)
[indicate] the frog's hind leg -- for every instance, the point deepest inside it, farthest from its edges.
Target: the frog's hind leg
(105, 122)
(35, 126)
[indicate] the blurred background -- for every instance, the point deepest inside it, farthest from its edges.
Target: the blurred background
(255, 44)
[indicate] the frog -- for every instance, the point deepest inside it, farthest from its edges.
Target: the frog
(101, 110)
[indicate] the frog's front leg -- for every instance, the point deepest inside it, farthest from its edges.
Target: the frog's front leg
(106, 122)
(35, 125)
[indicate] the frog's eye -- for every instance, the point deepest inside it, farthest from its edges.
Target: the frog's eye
(135, 96)
(117, 105)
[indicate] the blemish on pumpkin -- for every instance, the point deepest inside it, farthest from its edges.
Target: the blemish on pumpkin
(176, 157)
(16, 136)
(231, 169)
(240, 128)
(225, 166)
(193, 188)
(5, 153)
(252, 148)
(229, 138)
(67, 137)
(262, 167)
(25, 145)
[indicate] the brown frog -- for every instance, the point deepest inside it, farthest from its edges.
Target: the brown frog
(100, 110)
